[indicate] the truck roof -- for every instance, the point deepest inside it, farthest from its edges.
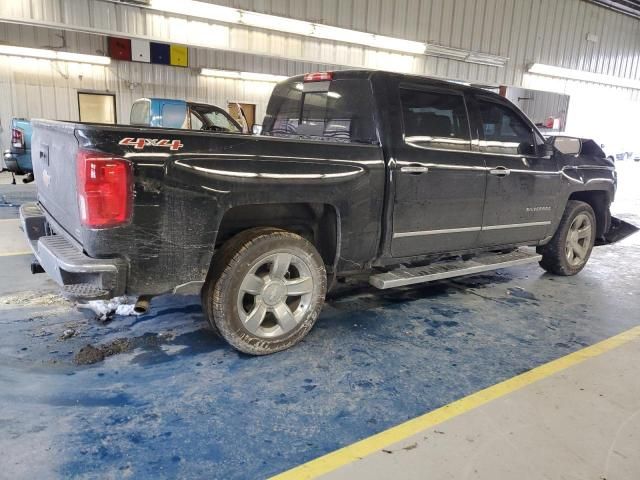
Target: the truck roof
(370, 73)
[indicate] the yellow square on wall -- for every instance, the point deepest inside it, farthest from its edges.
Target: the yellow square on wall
(179, 56)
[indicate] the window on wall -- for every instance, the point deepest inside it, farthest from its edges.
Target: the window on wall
(504, 130)
(97, 107)
(436, 120)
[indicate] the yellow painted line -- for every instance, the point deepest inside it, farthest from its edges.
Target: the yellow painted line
(15, 254)
(377, 442)
(10, 220)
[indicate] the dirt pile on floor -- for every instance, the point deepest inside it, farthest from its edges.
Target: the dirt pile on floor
(90, 354)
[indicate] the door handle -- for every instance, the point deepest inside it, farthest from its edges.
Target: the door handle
(414, 169)
(500, 171)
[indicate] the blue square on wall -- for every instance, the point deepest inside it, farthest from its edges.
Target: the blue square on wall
(160, 53)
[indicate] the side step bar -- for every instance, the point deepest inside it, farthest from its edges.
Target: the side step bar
(452, 268)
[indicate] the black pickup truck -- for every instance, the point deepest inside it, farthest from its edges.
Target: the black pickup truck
(405, 178)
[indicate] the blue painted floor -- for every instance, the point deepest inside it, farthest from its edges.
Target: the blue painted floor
(183, 404)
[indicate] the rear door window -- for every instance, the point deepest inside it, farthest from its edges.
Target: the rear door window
(435, 119)
(339, 111)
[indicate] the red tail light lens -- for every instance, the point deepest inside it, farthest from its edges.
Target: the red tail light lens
(318, 77)
(105, 189)
(17, 138)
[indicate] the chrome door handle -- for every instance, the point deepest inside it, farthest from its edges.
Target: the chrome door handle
(500, 171)
(415, 169)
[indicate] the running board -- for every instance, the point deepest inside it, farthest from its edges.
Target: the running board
(452, 268)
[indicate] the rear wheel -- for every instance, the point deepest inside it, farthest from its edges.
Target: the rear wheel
(570, 248)
(265, 290)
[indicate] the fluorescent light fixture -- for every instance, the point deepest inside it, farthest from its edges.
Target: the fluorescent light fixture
(27, 52)
(465, 55)
(53, 55)
(192, 8)
(486, 59)
(82, 58)
(211, 72)
(252, 76)
(261, 77)
(219, 13)
(271, 22)
(552, 71)
(445, 52)
(368, 39)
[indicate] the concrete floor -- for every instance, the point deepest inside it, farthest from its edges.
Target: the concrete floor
(173, 401)
(582, 423)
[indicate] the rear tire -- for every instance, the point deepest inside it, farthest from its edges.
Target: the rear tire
(265, 290)
(570, 248)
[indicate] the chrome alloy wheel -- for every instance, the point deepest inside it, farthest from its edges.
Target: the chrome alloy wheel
(275, 294)
(578, 240)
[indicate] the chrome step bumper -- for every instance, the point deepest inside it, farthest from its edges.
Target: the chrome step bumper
(453, 268)
(80, 276)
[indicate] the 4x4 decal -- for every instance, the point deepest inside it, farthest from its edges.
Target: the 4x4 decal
(140, 143)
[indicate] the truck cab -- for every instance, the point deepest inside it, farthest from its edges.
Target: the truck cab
(168, 113)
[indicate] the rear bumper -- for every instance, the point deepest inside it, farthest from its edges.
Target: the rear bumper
(19, 163)
(11, 163)
(79, 275)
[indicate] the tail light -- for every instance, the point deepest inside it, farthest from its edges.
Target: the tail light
(105, 189)
(318, 77)
(17, 138)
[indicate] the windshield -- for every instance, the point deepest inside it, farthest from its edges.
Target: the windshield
(213, 119)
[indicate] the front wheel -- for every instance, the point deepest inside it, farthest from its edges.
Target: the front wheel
(265, 290)
(570, 248)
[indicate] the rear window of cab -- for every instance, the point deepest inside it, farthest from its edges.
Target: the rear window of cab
(337, 110)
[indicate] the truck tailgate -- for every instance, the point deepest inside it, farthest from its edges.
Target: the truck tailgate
(53, 151)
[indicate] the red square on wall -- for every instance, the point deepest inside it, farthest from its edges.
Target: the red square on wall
(119, 48)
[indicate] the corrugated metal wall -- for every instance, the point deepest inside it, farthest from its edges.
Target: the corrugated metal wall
(544, 31)
(33, 88)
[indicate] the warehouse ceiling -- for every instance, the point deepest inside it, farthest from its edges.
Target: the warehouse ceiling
(630, 7)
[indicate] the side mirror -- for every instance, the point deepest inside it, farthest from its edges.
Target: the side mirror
(256, 129)
(526, 148)
(568, 145)
(547, 150)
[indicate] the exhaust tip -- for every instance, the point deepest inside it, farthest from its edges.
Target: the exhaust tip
(142, 305)
(36, 268)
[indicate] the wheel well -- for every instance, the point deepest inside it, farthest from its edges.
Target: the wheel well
(599, 201)
(317, 222)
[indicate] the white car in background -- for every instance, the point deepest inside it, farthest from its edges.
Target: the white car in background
(616, 152)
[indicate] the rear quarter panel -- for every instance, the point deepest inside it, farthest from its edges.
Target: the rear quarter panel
(182, 196)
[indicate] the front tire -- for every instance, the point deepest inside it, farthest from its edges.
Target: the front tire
(570, 248)
(265, 290)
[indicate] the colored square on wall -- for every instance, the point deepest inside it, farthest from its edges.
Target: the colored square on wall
(140, 51)
(179, 56)
(160, 53)
(119, 48)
